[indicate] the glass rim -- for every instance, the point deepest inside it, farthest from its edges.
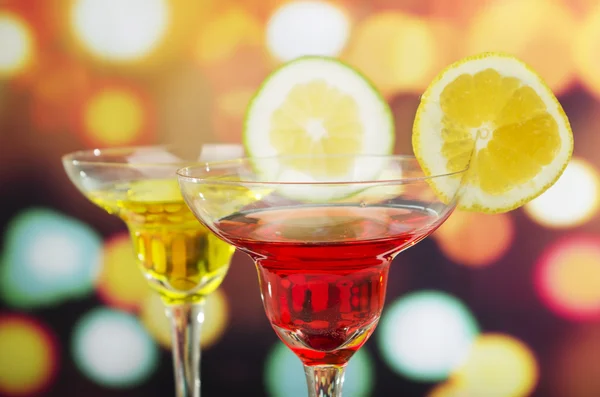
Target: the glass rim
(86, 156)
(206, 166)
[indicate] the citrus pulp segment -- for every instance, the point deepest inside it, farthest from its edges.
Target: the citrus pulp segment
(314, 107)
(495, 115)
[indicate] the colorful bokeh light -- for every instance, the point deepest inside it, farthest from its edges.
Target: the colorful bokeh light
(119, 30)
(121, 283)
(17, 44)
(58, 85)
(216, 317)
(224, 34)
(229, 113)
(425, 335)
(539, 32)
(567, 277)
(461, 15)
(448, 36)
(498, 365)
(448, 389)
(48, 257)
(397, 51)
(221, 152)
(581, 7)
(38, 17)
(587, 56)
(184, 105)
(234, 81)
(309, 27)
(102, 73)
(116, 114)
(573, 369)
(113, 349)
(475, 240)
(572, 201)
(29, 359)
(284, 375)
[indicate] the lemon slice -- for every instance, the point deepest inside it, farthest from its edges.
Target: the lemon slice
(315, 106)
(496, 115)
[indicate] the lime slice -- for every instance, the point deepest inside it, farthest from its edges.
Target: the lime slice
(316, 106)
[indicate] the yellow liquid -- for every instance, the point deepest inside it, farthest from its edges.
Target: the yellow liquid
(182, 259)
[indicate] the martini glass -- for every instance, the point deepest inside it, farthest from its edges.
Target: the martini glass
(182, 261)
(322, 248)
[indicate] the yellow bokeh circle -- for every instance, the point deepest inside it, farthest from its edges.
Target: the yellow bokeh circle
(114, 116)
(498, 366)
(28, 358)
(121, 283)
(539, 32)
(216, 317)
(397, 51)
(220, 37)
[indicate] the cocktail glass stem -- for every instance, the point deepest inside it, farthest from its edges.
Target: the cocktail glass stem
(186, 323)
(324, 380)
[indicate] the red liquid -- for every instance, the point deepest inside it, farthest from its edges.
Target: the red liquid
(323, 270)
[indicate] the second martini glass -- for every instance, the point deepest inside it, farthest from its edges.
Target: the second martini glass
(179, 257)
(322, 249)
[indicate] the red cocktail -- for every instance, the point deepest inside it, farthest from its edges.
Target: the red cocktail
(322, 249)
(323, 270)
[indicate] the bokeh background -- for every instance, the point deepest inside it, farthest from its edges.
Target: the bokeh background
(513, 298)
